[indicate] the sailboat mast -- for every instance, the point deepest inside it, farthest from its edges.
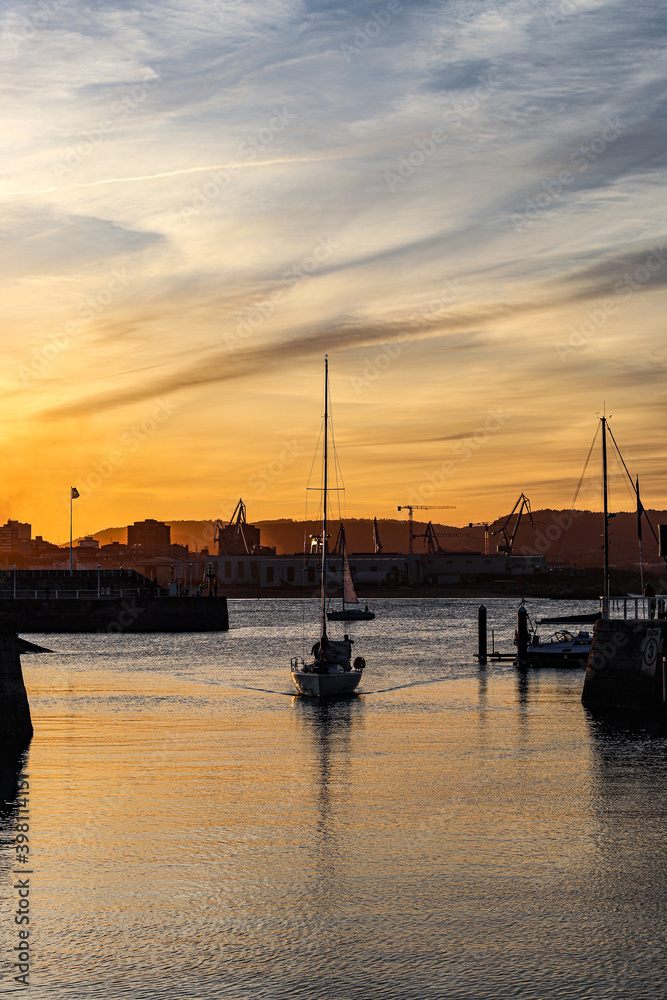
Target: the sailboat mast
(605, 602)
(325, 489)
(639, 535)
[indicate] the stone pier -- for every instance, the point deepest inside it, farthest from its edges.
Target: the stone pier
(626, 667)
(15, 722)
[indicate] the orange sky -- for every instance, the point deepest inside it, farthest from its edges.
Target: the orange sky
(466, 213)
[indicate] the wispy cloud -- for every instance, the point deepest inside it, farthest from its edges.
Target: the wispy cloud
(541, 198)
(165, 173)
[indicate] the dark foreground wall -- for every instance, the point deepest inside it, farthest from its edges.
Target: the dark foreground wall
(626, 668)
(15, 722)
(116, 615)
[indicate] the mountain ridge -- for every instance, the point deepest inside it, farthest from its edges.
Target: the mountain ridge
(564, 537)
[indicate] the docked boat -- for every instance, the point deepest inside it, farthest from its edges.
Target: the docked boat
(561, 649)
(330, 673)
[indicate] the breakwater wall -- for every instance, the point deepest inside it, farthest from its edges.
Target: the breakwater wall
(116, 615)
(626, 669)
(15, 721)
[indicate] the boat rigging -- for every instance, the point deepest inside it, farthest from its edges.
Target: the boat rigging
(330, 673)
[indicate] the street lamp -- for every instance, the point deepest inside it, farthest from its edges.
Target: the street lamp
(14, 581)
(98, 579)
(190, 582)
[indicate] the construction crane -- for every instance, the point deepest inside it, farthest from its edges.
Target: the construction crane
(522, 504)
(377, 544)
(410, 507)
(485, 525)
(431, 537)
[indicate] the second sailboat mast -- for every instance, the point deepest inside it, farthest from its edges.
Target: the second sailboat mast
(605, 602)
(325, 487)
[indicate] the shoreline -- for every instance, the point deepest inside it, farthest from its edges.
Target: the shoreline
(423, 593)
(555, 585)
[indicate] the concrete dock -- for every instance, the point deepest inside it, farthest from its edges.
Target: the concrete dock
(118, 614)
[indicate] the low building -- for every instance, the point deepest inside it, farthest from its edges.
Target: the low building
(454, 567)
(293, 571)
(368, 569)
(88, 543)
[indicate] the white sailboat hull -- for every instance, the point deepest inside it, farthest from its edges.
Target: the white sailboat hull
(325, 685)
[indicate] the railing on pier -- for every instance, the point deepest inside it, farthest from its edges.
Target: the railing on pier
(62, 593)
(637, 607)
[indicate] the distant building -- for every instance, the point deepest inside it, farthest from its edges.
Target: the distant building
(113, 553)
(43, 548)
(369, 569)
(262, 570)
(15, 536)
(150, 536)
(88, 543)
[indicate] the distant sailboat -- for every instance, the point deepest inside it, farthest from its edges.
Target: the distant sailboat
(330, 672)
(349, 614)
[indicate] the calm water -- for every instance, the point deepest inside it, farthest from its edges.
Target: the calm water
(196, 831)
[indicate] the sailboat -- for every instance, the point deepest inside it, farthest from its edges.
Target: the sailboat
(563, 648)
(330, 672)
(348, 614)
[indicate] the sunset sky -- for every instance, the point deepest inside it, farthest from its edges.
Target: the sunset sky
(463, 203)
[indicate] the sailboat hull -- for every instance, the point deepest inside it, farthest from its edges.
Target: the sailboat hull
(350, 615)
(325, 685)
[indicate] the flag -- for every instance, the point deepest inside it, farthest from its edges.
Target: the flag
(74, 493)
(640, 511)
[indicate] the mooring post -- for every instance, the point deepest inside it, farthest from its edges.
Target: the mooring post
(481, 635)
(522, 636)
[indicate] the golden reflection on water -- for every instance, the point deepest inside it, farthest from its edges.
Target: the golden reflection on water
(195, 836)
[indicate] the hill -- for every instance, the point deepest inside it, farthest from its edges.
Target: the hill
(565, 537)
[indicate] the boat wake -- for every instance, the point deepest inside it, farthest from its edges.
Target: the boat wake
(247, 687)
(399, 687)
(358, 694)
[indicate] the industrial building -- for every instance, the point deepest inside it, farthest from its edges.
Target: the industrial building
(368, 569)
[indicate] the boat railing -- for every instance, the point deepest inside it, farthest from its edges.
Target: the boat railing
(637, 607)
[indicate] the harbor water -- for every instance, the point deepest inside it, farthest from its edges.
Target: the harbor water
(197, 831)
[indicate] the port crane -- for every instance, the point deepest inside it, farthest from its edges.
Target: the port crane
(522, 505)
(341, 542)
(233, 532)
(486, 525)
(377, 544)
(410, 507)
(431, 537)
